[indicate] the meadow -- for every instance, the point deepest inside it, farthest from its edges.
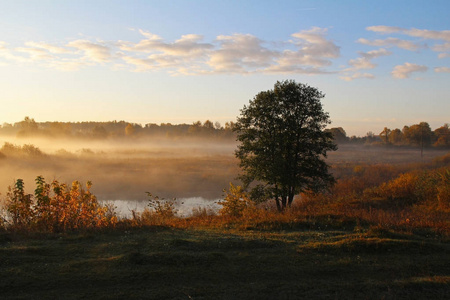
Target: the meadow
(382, 232)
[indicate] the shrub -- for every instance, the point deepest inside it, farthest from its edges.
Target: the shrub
(27, 150)
(56, 207)
(443, 191)
(236, 202)
(162, 207)
(19, 205)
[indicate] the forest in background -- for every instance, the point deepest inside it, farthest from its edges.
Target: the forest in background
(415, 135)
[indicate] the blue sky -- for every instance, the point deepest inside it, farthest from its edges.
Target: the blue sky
(380, 63)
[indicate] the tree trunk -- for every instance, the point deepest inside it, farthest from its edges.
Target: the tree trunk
(290, 199)
(277, 201)
(283, 202)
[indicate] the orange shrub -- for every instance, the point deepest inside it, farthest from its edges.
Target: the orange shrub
(56, 208)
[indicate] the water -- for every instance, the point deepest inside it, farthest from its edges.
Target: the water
(183, 206)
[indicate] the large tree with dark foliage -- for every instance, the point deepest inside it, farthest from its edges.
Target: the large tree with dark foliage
(283, 142)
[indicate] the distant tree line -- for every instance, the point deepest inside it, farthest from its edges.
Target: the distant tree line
(116, 129)
(416, 135)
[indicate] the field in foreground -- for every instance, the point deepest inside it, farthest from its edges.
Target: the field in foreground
(167, 263)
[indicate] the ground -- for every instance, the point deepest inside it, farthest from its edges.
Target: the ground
(167, 263)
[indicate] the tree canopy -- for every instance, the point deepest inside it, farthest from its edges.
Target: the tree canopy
(283, 141)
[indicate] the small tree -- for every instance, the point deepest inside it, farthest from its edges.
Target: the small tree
(283, 141)
(236, 201)
(19, 205)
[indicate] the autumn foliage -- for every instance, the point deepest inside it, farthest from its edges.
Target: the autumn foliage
(55, 207)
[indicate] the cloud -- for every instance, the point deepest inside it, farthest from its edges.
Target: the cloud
(357, 76)
(306, 52)
(3, 45)
(240, 53)
(141, 64)
(8, 54)
(405, 70)
(423, 34)
(429, 34)
(313, 42)
(442, 47)
(413, 32)
(442, 70)
(50, 48)
(35, 53)
(375, 53)
(313, 52)
(445, 48)
(94, 52)
(361, 63)
(392, 42)
(384, 29)
(364, 62)
(187, 45)
(188, 52)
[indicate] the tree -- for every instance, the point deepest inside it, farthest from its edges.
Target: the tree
(442, 136)
(129, 130)
(339, 134)
(396, 137)
(283, 141)
(418, 134)
(28, 127)
(384, 135)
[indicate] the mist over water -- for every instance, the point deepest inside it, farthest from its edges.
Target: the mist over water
(193, 170)
(125, 169)
(184, 207)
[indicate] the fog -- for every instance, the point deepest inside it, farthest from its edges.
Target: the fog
(124, 169)
(195, 171)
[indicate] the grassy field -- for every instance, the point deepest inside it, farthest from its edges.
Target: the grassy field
(167, 263)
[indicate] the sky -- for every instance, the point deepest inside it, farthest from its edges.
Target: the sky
(379, 63)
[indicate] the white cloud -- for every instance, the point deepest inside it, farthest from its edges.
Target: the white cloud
(361, 63)
(240, 53)
(50, 48)
(3, 45)
(141, 64)
(375, 53)
(445, 48)
(357, 76)
(429, 34)
(94, 52)
(442, 47)
(364, 62)
(413, 32)
(384, 29)
(187, 45)
(307, 52)
(442, 70)
(391, 42)
(8, 54)
(422, 34)
(314, 51)
(405, 70)
(313, 42)
(35, 53)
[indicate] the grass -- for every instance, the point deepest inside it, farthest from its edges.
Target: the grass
(205, 263)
